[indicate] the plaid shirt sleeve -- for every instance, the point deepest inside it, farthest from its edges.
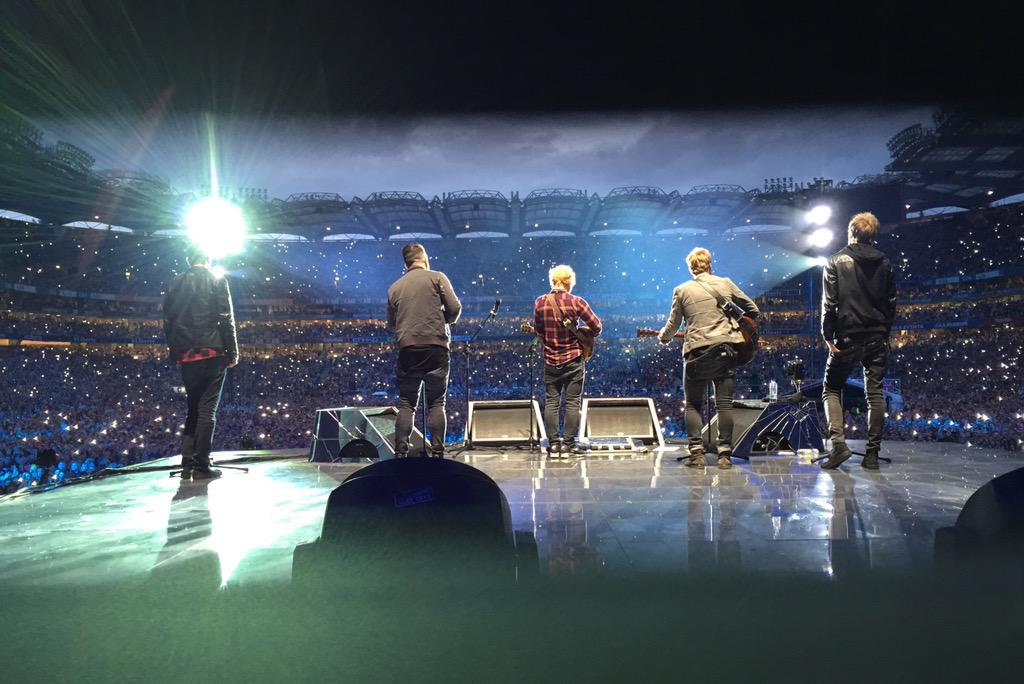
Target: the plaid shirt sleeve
(588, 316)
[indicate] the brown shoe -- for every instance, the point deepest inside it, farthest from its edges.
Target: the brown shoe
(725, 461)
(696, 460)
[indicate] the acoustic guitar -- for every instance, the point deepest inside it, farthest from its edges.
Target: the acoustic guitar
(583, 335)
(745, 350)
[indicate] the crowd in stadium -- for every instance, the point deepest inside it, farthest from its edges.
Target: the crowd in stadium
(61, 327)
(111, 397)
(97, 407)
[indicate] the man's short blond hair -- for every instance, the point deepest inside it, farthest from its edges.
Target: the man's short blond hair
(699, 260)
(864, 227)
(562, 276)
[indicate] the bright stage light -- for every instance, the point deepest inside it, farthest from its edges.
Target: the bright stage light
(218, 271)
(822, 237)
(820, 261)
(217, 226)
(819, 215)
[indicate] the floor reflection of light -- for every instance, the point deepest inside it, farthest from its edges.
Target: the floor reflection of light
(583, 474)
(533, 509)
(245, 510)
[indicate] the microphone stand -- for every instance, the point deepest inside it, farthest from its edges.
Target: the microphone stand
(534, 444)
(469, 364)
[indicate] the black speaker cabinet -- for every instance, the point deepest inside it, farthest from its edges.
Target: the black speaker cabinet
(634, 417)
(503, 423)
(335, 428)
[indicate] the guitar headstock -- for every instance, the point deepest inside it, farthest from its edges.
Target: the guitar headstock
(526, 328)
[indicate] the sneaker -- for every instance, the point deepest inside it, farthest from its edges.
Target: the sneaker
(205, 473)
(725, 460)
(840, 452)
(870, 461)
(572, 449)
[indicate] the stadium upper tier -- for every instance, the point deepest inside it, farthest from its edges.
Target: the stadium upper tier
(982, 247)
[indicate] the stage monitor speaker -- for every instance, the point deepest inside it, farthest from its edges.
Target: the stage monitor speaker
(416, 520)
(761, 428)
(634, 417)
(503, 423)
(989, 532)
(343, 432)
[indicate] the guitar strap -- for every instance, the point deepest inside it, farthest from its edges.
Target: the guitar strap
(553, 302)
(726, 308)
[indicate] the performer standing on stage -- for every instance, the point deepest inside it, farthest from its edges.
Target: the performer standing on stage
(554, 317)
(199, 326)
(858, 305)
(708, 352)
(421, 307)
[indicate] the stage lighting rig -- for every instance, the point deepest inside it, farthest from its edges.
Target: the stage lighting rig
(822, 237)
(217, 226)
(819, 215)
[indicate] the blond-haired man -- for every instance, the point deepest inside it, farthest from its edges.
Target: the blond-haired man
(708, 352)
(554, 315)
(858, 305)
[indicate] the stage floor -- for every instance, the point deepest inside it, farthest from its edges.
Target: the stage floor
(598, 515)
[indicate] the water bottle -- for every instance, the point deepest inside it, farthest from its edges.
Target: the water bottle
(773, 390)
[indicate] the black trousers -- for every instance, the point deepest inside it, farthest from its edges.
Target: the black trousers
(425, 365)
(872, 353)
(204, 381)
(568, 379)
(716, 365)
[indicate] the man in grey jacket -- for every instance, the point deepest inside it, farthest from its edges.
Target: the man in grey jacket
(708, 352)
(421, 307)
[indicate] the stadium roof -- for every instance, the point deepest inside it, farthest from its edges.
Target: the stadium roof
(965, 160)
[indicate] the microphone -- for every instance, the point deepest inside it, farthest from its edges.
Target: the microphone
(497, 303)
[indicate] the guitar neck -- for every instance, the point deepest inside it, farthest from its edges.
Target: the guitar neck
(651, 332)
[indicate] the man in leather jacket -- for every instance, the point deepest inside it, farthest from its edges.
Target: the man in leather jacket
(858, 305)
(199, 325)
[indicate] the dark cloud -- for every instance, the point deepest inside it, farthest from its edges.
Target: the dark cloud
(357, 156)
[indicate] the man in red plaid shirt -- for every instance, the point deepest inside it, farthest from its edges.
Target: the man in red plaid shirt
(564, 366)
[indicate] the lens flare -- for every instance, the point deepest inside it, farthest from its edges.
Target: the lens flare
(217, 226)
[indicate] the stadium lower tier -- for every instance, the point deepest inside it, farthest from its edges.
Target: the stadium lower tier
(69, 410)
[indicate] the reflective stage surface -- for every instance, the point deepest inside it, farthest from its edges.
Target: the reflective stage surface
(644, 571)
(603, 515)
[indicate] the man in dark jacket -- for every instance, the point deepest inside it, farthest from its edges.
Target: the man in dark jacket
(421, 307)
(858, 305)
(199, 325)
